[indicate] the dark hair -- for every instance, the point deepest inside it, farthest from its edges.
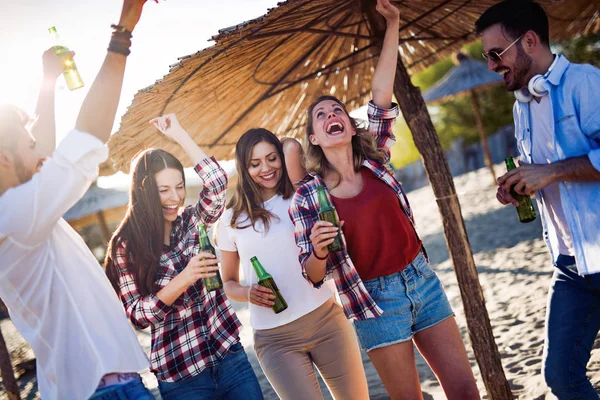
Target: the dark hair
(11, 119)
(364, 146)
(246, 198)
(516, 17)
(142, 229)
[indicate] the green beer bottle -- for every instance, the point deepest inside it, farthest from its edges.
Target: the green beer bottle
(525, 209)
(266, 280)
(204, 245)
(327, 213)
(70, 71)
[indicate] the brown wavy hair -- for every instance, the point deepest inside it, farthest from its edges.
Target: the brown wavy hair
(142, 229)
(246, 198)
(364, 146)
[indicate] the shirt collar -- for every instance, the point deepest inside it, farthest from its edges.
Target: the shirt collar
(559, 69)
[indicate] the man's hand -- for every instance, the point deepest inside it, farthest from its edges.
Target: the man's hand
(528, 178)
(131, 12)
(504, 197)
(53, 65)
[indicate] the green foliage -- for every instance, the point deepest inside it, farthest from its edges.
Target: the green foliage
(581, 50)
(404, 150)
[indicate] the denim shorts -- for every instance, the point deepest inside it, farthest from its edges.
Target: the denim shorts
(411, 300)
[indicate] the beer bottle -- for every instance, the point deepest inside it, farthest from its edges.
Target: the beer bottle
(204, 245)
(525, 209)
(70, 71)
(266, 280)
(327, 213)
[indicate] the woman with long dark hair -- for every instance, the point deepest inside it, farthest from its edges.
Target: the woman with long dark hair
(382, 273)
(312, 331)
(153, 264)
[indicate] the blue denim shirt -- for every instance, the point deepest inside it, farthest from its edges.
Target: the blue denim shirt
(574, 91)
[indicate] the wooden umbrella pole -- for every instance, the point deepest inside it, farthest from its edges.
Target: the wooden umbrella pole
(480, 330)
(487, 154)
(8, 375)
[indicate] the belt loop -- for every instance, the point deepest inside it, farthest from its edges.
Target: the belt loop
(415, 265)
(382, 282)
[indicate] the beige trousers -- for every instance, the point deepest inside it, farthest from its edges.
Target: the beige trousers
(323, 338)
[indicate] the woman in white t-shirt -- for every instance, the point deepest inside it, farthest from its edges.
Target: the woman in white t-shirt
(313, 330)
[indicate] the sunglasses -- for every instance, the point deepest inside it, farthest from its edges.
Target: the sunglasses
(497, 57)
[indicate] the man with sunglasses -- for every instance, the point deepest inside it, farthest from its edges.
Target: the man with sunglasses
(557, 126)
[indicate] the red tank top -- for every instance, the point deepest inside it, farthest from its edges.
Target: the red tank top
(379, 236)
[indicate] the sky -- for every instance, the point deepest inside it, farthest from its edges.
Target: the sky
(170, 29)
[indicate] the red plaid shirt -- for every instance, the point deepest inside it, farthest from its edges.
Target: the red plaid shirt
(196, 331)
(304, 212)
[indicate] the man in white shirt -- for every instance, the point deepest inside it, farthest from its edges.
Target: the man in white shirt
(557, 126)
(57, 294)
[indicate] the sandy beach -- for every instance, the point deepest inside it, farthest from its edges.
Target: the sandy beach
(514, 270)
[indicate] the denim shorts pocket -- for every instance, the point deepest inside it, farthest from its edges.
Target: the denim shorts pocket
(425, 270)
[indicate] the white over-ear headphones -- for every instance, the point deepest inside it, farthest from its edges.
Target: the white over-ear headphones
(536, 86)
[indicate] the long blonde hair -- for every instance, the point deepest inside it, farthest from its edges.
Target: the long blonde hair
(364, 146)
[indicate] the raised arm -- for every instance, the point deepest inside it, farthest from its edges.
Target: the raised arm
(74, 164)
(44, 128)
(385, 71)
(169, 125)
(294, 159)
(211, 200)
(99, 108)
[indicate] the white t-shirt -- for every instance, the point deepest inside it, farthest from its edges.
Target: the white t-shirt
(57, 294)
(542, 152)
(277, 252)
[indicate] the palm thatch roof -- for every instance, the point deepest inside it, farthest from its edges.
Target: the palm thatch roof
(468, 74)
(265, 72)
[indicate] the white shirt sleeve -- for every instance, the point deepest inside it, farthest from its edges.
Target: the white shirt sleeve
(225, 241)
(35, 206)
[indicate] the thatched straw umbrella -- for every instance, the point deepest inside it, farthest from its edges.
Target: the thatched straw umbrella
(265, 72)
(98, 206)
(468, 76)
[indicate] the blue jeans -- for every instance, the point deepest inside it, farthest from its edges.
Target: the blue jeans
(134, 390)
(232, 379)
(572, 323)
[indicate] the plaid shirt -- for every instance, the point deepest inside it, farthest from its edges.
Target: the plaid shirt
(196, 331)
(304, 212)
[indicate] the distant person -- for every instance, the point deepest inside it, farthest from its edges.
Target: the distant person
(57, 295)
(557, 126)
(154, 265)
(382, 275)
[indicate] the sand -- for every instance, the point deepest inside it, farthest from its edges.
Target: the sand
(514, 270)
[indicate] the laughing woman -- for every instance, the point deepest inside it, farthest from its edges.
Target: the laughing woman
(152, 263)
(312, 331)
(382, 275)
